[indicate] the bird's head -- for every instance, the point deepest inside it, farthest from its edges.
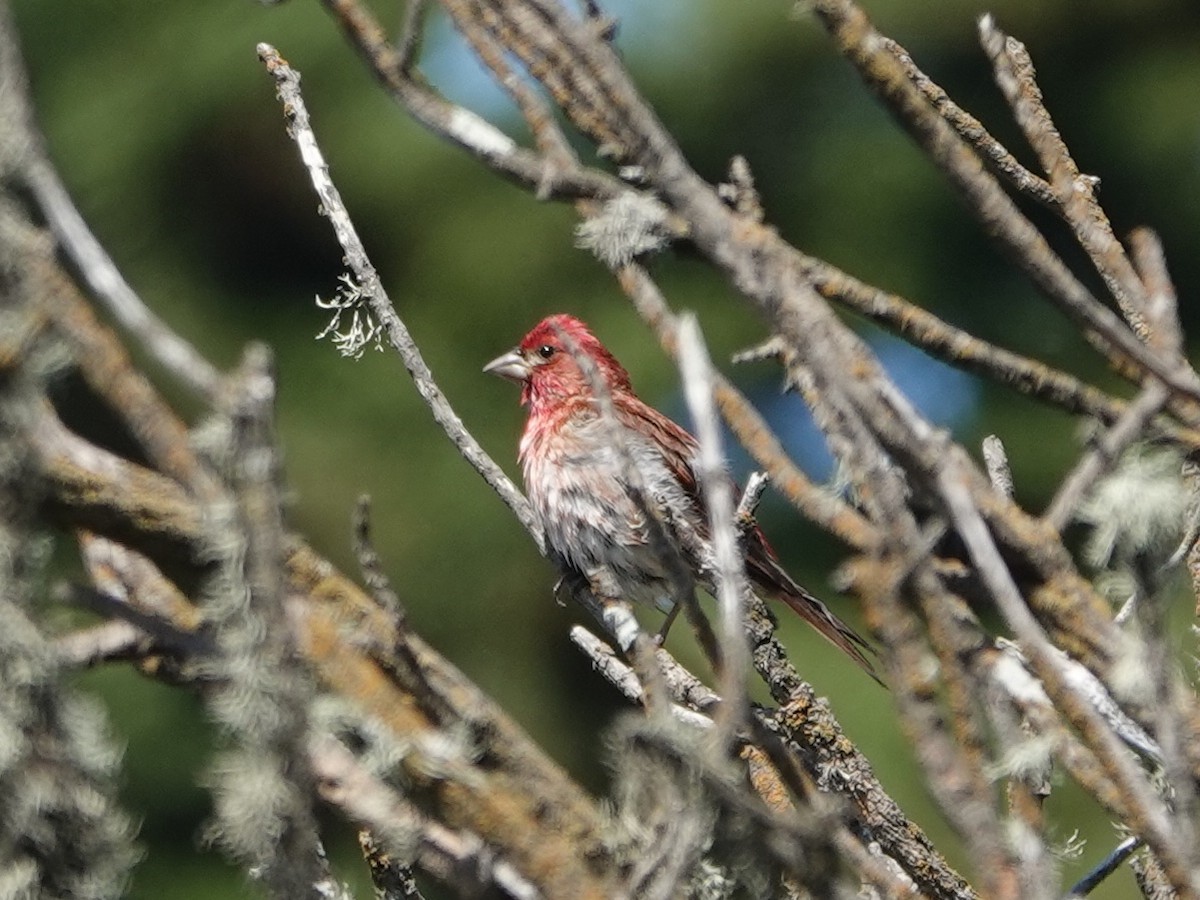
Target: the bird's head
(546, 362)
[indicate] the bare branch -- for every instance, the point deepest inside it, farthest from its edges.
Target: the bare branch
(963, 350)
(715, 486)
(287, 82)
(1145, 812)
(972, 131)
(455, 857)
(623, 678)
(1074, 192)
(106, 642)
(881, 71)
(25, 155)
(1103, 454)
(372, 567)
(1107, 866)
(756, 486)
(457, 124)
(142, 632)
(107, 284)
(1161, 312)
(392, 880)
(996, 460)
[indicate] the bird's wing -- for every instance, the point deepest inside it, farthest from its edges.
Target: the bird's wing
(675, 445)
(678, 450)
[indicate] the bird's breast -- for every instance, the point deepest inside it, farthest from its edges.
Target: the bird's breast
(579, 485)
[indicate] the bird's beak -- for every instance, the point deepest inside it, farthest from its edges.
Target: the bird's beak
(512, 366)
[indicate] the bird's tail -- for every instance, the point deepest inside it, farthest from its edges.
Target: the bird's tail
(772, 580)
(833, 629)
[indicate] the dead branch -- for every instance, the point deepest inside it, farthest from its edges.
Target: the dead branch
(325, 691)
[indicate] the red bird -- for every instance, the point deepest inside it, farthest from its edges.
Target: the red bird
(576, 482)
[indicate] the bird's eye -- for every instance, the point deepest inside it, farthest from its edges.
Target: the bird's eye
(545, 351)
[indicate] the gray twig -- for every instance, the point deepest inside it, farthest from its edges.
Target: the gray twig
(1106, 867)
(729, 574)
(1075, 193)
(995, 459)
(108, 641)
(109, 286)
(1105, 451)
(371, 566)
(459, 858)
(1150, 814)
(287, 84)
(607, 664)
(262, 786)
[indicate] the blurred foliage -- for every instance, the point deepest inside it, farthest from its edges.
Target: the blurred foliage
(165, 128)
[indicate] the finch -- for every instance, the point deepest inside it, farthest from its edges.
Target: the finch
(576, 479)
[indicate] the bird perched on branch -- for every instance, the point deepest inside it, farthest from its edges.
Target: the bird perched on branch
(577, 461)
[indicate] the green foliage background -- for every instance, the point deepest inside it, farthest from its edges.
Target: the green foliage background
(166, 130)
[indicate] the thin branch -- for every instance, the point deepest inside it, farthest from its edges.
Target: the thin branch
(547, 133)
(112, 641)
(398, 649)
(1106, 867)
(106, 283)
(24, 140)
(155, 632)
(1105, 451)
(609, 666)
(1075, 192)
(412, 32)
(371, 567)
(1150, 878)
(861, 44)
(996, 460)
(965, 351)
(109, 372)
(752, 494)
(125, 580)
(90, 488)
(1023, 759)
(728, 571)
(287, 83)
(1012, 673)
(457, 124)
(1161, 312)
(458, 858)
(739, 190)
(1146, 815)
(972, 131)
(392, 879)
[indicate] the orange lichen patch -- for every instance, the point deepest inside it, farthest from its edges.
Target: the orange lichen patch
(462, 793)
(765, 779)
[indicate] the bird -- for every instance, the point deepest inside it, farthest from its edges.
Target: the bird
(575, 453)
